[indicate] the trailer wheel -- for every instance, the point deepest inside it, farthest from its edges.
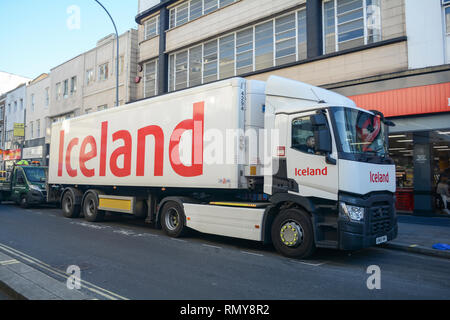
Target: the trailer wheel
(69, 208)
(292, 234)
(173, 219)
(90, 208)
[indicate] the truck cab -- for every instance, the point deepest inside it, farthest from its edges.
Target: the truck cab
(25, 185)
(333, 163)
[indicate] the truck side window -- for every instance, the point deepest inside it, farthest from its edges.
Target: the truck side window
(303, 135)
(20, 179)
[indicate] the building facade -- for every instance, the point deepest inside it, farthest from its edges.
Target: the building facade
(87, 83)
(37, 124)
(381, 53)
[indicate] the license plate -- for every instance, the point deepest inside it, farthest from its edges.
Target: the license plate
(381, 240)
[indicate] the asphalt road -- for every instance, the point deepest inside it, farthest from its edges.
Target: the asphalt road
(129, 259)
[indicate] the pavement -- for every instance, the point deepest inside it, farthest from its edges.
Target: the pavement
(123, 258)
(418, 235)
(19, 281)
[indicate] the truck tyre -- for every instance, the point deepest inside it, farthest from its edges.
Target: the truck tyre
(90, 208)
(69, 208)
(173, 220)
(292, 234)
(24, 202)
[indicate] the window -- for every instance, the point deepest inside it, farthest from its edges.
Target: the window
(66, 88)
(102, 107)
(38, 128)
(182, 14)
(226, 57)
(274, 42)
(58, 91)
(193, 9)
(196, 9)
(264, 45)
(151, 27)
(301, 35)
(90, 78)
(351, 23)
(150, 83)
(103, 71)
(32, 103)
(210, 6)
(285, 43)
(181, 70)
(210, 61)
(15, 106)
(88, 110)
(73, 85)
(447, 27)
(303, 135)
(47, 96)
(31, 130)
(244, 51)
(195, 66)
(21, 104)
(9, 107)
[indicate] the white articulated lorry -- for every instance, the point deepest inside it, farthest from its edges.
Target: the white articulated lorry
(278, 161)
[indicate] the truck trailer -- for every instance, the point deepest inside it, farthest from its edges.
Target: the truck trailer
(279, 162)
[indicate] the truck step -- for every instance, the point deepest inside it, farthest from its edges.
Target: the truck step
(327, 244)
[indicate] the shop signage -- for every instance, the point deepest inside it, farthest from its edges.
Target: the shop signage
(19, 130)
(9, 155)
(33, 153)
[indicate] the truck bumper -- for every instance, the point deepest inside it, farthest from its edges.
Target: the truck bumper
(380, 222)
(350, 240)
(35, 197)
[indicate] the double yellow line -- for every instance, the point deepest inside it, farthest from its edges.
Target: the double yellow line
(84, 284)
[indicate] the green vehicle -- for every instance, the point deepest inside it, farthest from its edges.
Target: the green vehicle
(25, 185)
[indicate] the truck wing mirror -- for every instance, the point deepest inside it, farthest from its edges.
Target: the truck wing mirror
(319, 120)
(323, 140)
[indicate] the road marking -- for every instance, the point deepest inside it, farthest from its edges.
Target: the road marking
(309, 263)
(8, 262)
(210, 246)
(85, 284)
(179, 240)
(252, 253)
(89, 225)
(413, 245)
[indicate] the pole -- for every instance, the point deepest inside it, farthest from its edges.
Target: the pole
(117, 54)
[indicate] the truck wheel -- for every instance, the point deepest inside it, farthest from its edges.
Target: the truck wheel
(69, 208)
(173, 220)
(24, 202)
(90, 208)
(292, 234)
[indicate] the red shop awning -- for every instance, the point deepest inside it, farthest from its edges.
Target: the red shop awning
(408, 101)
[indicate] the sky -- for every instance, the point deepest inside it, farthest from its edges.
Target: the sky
(37, 35)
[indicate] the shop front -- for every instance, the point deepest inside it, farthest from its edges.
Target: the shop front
(419, 143)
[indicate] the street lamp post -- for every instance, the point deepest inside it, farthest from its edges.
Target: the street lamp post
(117, 54)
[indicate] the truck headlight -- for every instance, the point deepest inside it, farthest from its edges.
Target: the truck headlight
(35, 188)
(352, 212)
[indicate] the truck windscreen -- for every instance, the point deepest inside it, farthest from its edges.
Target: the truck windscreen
(35, 175)
(360, 132)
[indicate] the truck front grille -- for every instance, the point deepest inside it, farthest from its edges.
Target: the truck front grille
(380, 218)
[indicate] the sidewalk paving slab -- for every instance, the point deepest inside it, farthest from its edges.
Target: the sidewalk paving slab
(23, 282)
(418, 234)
